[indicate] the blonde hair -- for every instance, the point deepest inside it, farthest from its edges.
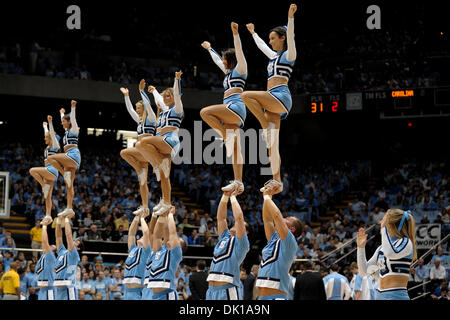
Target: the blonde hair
(144, 112)
(408, 228)
(170, 91)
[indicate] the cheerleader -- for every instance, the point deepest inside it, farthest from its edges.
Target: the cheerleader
(68, 163)
(45, 267)
(392, 260)
(147, 293)
(228, 117)
(47, 175)
(270, 106)
(273, 280)
(163, 147)
(146, 121)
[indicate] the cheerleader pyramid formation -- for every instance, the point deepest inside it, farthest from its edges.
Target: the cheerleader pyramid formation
(153, 259)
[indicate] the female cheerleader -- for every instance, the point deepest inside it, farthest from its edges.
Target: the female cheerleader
(146, 120)
(273, 279)
(230, 251)
(228, 117)
(47, 175)
(165, 145)
(270, 106)
(165, 259)
(138, 251)
(68, 163)
(394, 257)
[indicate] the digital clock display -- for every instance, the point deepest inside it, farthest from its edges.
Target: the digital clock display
(326, 103)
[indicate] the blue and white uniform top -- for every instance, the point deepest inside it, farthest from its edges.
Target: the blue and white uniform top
(282, 62)
(366, 286)
(135, 264)
(393, 257)
(170, 116)
(229, 253)
(149, 125)
(277, 258)
(71, 135)
(236, 77)
(337, 287)
(164, 266)
(53, 147)
(45, 269)
(148, 265)
(65, 266)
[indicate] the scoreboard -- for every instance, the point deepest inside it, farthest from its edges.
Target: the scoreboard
(388, 102)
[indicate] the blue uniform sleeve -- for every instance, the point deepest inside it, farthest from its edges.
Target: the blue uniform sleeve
(358, 282)
(242, 246)
(74, 256)
(290, 243)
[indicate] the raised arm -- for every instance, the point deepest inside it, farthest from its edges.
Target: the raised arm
(45, 244)
(62, 111)
(73, 120)
(158, 233)
(214, 55)
(68, 232)
(55, 142)
(174, 241)
(58, 233)
(271, 210)
(132, 232)
(260, 43)
(241, 66)
(146, 100)
(238, 217)
(291, 50)
(269, 226)
(145, 232)
(177, 92)
(129, 105)
(363, 264)
(222, 224)
(151, 229)
(159, 100)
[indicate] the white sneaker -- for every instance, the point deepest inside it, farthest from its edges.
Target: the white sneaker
(230, 186)
(46, 189)
(157, 173)
(158, 206)
(142, 177)
(164, 207)
(240, 186)
(270, 135)
(68, 178)
(47, 218)
(229, 142)
(272, 183)
(141, 210)
(66, 213)
(165, 167)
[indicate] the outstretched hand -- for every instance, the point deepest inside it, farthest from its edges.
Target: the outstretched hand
(178, 75)
(73, 103)
(206, 45)
(142, 85)
(361, 238)
(49, 118)
(44, 124)
(62, 111)
(150, 89)
(250, 27)
(292, 10)
(124, 91)
(234, 28)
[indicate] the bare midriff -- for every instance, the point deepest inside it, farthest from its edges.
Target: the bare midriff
(232, 91)
(134, 285)
(143, 136)
(394, 281)
(69, 147)
(217, 283)
(157, 290)
(273, 82)
(263, 291)
(165, 130)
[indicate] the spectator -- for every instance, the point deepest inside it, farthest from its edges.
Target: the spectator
(122, 221)
(116, 287)
(87, 286)
(22, 284)
(182, 235)
(36, 237)
(80, 233)
(249, 283)
(442, 288)
(309, 285)
(444, 258)
(209, 240)
(197, 281)
(194, 238)
(94, 234)
(424, 219)
(10, 284)
(108, 233)
(101, 286)
(120, 235)
(437, 271)
(422, 273)
(7, 260)
(334, 282)
(31, 278)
